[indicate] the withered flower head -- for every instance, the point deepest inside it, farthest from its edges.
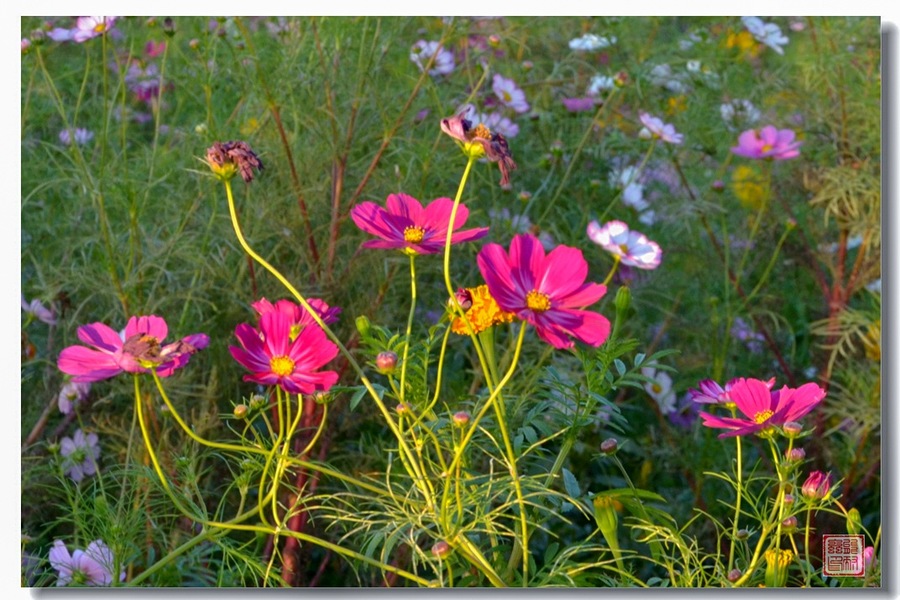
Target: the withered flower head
(478, 140)
(225, 159)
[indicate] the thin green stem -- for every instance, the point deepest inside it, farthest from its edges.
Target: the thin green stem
(409, 322)
(737, 503)
(616, 260)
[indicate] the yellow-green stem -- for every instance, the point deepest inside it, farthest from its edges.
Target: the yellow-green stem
(409, 322)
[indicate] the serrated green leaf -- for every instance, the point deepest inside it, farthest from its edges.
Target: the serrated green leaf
(571, 484)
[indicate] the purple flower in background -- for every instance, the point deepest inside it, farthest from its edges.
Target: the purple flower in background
(685, 413)
(81, 136)
(36, 309)
(710, 392)
(422, 51)
(742, 331)
(71, 394)
(510, 94)
(80, 454)
(579, 104)
(90, 567)
(654, 127)
(497, 123)
(768, 142)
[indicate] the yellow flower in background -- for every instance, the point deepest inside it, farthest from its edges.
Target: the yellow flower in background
(676, 104)
(744, 42)
(749, 187)
(483, 314)
(250, 127)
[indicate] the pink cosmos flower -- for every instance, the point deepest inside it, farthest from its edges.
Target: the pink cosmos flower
(91, 27)
(710, 392)
(632, 247)
(763, 407)
(141, 346)
(654, 127)
(510, 94)
(275, 358)
(546, 290)
(80, 454)
(406, 226)
(91, 567)
(298, 315)
(870, 559)
(768, 142)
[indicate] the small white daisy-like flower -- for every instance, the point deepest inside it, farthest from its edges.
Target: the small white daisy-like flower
(421, 53)
(658, 129)
(592, 41)
(632, 247)
(766, 33)
(660, 389)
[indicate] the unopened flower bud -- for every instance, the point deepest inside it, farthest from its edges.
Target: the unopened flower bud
(789, 524)
(461, 418)
(742, 534)
(792, 429)
(527, 65)
(240, 411)
(323, 398)
(734, 575)
(402, 408)
(817, 486)
(788, 499)
(621, 79)
(363, 326)
(623, 299)
(464, 298)
(494, 40)
(194, 44)
(854, 522)
(609, 446)
(796, 454)
(524, 195)
(556, 147)
(169, 26)
(257, 401)
(718, 185)
(385, 362)
(791, 223)
(53, 448)
(441, 549)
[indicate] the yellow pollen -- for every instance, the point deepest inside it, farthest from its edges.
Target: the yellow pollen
(537, 301)
(507, 97)
(766, 147)
(482, 132)
(763, 416)
(281, 365)
(623, 248)
(656, 388)
(413, 234)
(100, 27)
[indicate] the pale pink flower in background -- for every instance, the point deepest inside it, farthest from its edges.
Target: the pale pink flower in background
(71, 394)
(38, 311)
(80, 454)
(766, 33)
(91, 27)
(657, 129)
(92, 566)
(422, 51)
(632, 247)
(498, 123)
(510, 94)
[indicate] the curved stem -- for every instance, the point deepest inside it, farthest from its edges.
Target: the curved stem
(616, 260)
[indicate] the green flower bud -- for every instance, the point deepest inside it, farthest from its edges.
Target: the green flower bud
(854, 522)
(363, 326)
(623, 299)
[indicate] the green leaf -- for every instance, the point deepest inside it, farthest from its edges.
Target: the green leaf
(620, 367)
(571, 484)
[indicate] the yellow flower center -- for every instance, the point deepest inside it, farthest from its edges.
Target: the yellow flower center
(656, 388)
(763, 416)
(413, 234)
(281, 366)
(766, 147)
(483, 314)
(623, 248)
(507, 97)
(100, 27)
(482, 132)
(537, 301)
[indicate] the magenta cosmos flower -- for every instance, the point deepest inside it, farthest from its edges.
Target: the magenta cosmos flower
(298, 315)
(763, 407)
(405, 225)
(546, 290)
(768, 142)
(654, 127)
(632, 247)
(274, 357)
(710, 392)
(141, 347)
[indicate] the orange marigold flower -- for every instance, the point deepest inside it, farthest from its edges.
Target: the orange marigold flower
(483, 314)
